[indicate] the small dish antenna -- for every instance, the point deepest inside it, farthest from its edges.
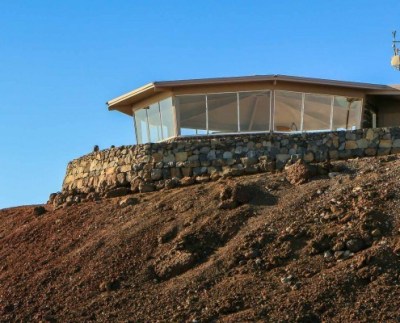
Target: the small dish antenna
(395, 62)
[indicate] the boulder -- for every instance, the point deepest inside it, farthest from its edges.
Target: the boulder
(355, 245)
(298, 173)
(39, 210)
(146, 187)
(120, 191)
(128, 201)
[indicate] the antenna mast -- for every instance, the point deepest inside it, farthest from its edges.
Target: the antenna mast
(395, 62)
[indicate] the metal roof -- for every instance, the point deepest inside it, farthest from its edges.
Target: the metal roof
(122, 102)
(263, 78)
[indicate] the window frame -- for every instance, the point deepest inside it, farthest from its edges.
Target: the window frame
(272, 111)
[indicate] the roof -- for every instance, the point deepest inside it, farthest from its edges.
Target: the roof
(123, 102)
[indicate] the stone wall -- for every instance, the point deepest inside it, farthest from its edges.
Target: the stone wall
(183, 161)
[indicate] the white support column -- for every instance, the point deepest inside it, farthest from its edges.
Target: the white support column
(134, 125)
(331, 117)
(176, 117)
(373, 120)
(272, 112)
(303, 97)
(148, 126)
(238, 111)
(206, 114)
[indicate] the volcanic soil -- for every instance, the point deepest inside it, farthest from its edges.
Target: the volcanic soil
(266, 247)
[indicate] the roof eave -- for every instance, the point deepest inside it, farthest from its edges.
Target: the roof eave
(112, 104)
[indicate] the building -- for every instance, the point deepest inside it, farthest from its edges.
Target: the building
(256, 104)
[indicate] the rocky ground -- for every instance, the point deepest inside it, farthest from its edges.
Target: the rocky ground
(284, 247)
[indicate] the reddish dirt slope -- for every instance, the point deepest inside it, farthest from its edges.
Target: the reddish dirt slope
(254, 248)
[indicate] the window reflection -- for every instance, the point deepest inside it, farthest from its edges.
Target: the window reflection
(192, 114)
(254, 111)
(167, 118)
(317, 112)
(222, 112)
(141, 126)
(153, 115)
(246, 112)
(287, 111)
(346, 113)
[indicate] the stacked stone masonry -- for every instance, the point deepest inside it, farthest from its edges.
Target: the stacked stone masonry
(153, 166)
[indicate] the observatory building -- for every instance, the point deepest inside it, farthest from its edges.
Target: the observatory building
(256, 104)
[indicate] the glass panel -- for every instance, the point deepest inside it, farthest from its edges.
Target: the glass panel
(222, 112)
(340, 108)
(254, 111)
(287, 111)
(141, 126)
(346, 113)
(153, 115)
(167, 118)
(192, 114)
(354, 114)
(317, 112)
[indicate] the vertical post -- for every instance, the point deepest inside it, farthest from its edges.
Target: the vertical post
(134, 126)
(331, 117)
(373, 120)
(176, 117)
(238, 111)
(148, 126)
(161, 123)
(361, 113)
(206, 114)
(272, 111)
(349, 101)
(303, 96)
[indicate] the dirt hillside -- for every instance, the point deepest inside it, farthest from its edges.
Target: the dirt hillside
(283, 247)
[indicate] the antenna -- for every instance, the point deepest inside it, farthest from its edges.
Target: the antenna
(395, 62)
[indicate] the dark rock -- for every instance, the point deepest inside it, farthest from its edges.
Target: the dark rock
(168, 235)
(93, 196)
(147, 187)
(172, 183)
(321, 244)
(241, 194)
(128, 201)
(355, 245)
(338, 246)
(52, 197)
(135, 184)
(120, 191)
(376, 233)
(186, 181)
(227, 205)
(109, 286)
(8, 308)
(39, 210)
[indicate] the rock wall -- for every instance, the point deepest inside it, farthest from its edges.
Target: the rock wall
(183, 161)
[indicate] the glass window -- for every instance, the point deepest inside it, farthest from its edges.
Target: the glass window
(354, 114)
(317, 112)
(192, 114)
(141, 126)
(167, 118)
(346, 113)
(287, 115)
(254, 111)
(222, 112)
(153, 115)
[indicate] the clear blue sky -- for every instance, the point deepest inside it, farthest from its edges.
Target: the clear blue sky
(60, 61)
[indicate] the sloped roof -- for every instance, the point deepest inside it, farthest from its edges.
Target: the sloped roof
(150, 89)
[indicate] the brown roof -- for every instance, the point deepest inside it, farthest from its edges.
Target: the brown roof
(263, 78)
(150, 89)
